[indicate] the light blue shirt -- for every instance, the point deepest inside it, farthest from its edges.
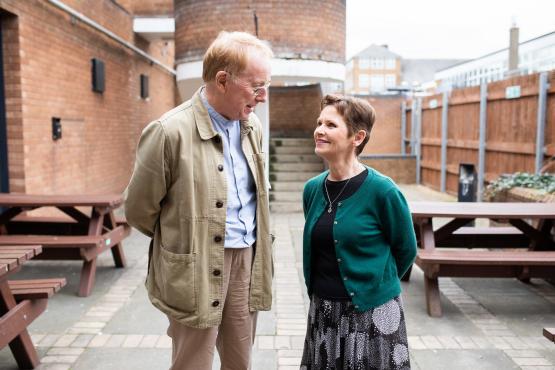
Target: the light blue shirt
(240, 222)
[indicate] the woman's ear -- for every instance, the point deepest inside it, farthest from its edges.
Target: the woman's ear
(359, 137)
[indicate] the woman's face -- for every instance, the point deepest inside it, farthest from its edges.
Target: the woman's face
(332, 135)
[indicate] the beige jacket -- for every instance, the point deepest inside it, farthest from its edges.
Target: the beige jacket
(174, 197)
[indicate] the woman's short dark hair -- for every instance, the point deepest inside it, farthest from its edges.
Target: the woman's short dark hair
(357, 113)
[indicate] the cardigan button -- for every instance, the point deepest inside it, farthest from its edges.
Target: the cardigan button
(215, 303)
(339, 204)
(216, 272)
(217, 238)
(356, 306)
(352, 294)
(335, 222)
(345, 278)
(339, 260)
(220, 167)
(336, 241)
(219, 204)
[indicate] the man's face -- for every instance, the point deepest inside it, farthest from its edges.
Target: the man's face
(248, 88)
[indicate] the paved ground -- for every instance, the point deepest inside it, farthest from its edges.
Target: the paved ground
(487, 323)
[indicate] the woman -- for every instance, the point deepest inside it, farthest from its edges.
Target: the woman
(358, 241)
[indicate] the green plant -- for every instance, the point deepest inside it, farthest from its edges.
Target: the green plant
(544, 182)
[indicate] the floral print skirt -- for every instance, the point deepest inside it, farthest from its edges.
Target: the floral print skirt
(340, 338)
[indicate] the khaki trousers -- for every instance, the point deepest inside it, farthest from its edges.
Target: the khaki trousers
(193, 349)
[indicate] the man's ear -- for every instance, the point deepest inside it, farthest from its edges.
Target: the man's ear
(222, 80)
(359, 137)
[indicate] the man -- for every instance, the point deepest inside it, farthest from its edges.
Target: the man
(198, 190)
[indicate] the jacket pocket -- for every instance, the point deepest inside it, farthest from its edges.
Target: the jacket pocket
(176, 280)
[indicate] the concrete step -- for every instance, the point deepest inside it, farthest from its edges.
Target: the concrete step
(286, 196)
(305, 149)
(296, 167)
(292, 142)
(288, 185)
(295, 158)
(286, 207)
(292, 176)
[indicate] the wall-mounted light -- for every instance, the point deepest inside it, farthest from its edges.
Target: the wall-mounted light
(56, 128)
(97, 75)
(144, 86)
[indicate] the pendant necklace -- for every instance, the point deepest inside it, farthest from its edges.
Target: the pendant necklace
(338, 195)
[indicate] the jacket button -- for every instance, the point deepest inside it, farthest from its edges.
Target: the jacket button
(220, 167)
(219, 204)
(217, 139)
(215, 303)
(216, 272)
(217, 238)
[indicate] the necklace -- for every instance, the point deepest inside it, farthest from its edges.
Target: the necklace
(338, 195)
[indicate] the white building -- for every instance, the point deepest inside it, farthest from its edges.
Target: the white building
(535, 55)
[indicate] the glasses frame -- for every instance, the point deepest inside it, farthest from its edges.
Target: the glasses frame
(256, 91)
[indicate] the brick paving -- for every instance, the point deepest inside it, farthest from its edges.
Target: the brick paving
(487, 323)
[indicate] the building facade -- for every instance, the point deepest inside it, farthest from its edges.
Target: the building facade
(535, 55)
(372, 71)
(78, 87)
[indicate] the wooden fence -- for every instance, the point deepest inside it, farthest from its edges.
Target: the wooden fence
(498, 127)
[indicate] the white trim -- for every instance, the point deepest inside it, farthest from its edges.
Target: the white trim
(283, 70)
(154, 28)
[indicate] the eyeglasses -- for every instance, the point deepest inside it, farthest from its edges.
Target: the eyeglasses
(256, 91)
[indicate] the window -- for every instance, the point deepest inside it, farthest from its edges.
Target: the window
(390, 63)
(363, 63)
(390, 80)
(376, 63)
(376, 83)
(363, 81)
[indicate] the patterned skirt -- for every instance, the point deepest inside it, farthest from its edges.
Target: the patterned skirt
(339, 338)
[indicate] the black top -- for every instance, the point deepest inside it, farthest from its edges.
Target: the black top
(326, 279)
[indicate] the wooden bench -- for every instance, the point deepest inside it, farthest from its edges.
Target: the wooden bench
(35, 288)
(479, 263)
(549, 333)
(76, 247)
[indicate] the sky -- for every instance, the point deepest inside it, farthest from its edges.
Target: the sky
(444, 28)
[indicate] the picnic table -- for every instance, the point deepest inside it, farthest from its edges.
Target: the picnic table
(21, 302)
(78, 235)
(523, 250)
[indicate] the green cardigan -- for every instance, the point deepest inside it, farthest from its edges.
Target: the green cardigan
(373, 234)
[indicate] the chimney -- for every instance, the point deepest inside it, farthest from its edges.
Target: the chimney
(513, 50)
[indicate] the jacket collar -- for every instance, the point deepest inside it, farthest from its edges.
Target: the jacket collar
(204, 123)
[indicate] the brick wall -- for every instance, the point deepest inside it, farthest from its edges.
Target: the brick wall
(386, 133)
(301, 29)
(294, 110)
(401, 169)
(99, 131)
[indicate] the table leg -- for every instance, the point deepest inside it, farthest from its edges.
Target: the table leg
(17, 317)
(117, 250)
(88, 273)
(433, 303)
